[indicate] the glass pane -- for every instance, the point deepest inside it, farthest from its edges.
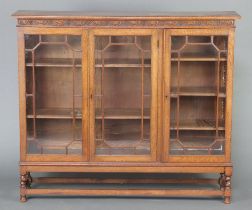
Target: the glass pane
(198, 95)
(122, 95)
(54, 94)
(201, 47)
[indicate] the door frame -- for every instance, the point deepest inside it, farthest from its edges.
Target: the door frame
(154, 70)
(22, 93)
(166, 157)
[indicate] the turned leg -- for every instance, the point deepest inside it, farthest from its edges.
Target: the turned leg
(227, 196)
(23, 186)
(227, 185)
(23, 198)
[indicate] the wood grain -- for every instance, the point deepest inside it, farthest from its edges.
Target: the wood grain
(184, 114)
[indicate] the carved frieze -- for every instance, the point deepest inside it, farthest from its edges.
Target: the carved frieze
(125, 23)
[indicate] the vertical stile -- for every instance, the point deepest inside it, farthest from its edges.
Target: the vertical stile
(178, 97)
(229, 93)
(102, 95)
(73, 96)
(217, 93)
(167, 93)
(34, 95)
(142, 95)
(218, 99)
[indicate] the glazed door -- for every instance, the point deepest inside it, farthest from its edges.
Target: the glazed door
(197, 96)
(123, 87)
(53, 67)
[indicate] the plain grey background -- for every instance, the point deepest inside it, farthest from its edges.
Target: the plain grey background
(242, 117)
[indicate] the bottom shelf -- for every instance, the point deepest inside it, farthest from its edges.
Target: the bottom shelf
(197, 124)
(128, 184)
(129, 192)
(122, 137)
(53, 136)
(50, 145)
(123, 147)
(197, 146)
(55, 141)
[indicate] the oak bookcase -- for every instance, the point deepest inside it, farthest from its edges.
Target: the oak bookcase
(128, 93)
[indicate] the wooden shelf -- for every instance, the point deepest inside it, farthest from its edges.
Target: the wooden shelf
(50, 143)
(197, 143)
(60, 143)
(55, 139)
(56, 113)
(200, 146)
(130, 143)
(194, 142)
(198, 124)
(123, 147)
(198, 59)
(122, 114)
(123, 63)
(196, 91)
(55, 62)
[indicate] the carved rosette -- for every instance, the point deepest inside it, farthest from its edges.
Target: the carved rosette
(125, 23)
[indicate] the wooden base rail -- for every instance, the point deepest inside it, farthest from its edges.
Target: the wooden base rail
(27, 182)
(128, 192)
(57, 180)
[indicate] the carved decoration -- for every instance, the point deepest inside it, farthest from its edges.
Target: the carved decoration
(23, 181)
(125, 23)
(228, 182)
(29, 180)
(23, 185)
(222, 181)
(227, 199)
